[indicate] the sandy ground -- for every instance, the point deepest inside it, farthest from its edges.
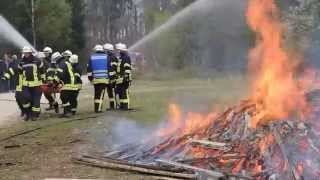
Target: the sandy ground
(9, 111)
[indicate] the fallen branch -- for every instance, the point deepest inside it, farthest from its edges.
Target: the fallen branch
(215, 174)
(192, 168)
(210, 144)
(132, 167)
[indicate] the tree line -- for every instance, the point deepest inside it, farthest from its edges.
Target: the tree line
(217, 39)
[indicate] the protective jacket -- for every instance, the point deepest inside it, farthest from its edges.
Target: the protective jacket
(77, 74)
(51, 73)
(13, 73)
(124, 68)
(98, 68)
(33, 71)
(112, 66)
(66, 75)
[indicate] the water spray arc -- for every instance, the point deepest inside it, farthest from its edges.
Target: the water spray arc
(11, 35)
(200, 6)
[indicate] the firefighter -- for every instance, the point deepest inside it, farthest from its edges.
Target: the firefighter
(124, 77)
(66, 76)
(33, 75)
(50, 68)
(77, 74)
(98, 75)
(14, 74)
(112, 70)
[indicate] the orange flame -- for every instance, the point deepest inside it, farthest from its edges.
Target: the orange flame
(191, 123)
(275, 86)
(300, 168)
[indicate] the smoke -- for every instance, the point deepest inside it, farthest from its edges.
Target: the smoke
(11, 35)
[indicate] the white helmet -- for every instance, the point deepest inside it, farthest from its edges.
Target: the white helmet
(121, 47)
(67, 53)
(27, 49)
(98, 48)
(108, 47)
(47, 50)
(74, 59)
(40, 55)
(55, 57)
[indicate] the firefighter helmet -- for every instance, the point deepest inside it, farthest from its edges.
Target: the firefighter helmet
(55, 57)
(40, 55)
(98, 48)
(27, 49)
(67, 53)
(121, 47)
(108, 47)
(74, 59)
(47, 50)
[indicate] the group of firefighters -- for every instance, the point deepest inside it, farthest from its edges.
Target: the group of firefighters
(48, 73)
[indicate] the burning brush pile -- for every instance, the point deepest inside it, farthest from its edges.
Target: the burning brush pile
(273, 135)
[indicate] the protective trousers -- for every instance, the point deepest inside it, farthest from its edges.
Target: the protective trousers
(124, 97)
(31, 100)
(19, 100)
(74, 102)
(50, 98)
(112, 96)
(69, 100)
(99, 93)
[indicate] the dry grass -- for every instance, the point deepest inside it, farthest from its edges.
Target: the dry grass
(47, 152)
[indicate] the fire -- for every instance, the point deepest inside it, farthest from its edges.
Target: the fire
(191, 123)
(300, 168)
(265, 142)
(275, 88)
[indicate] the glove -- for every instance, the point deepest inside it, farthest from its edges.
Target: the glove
(50, 83)
(90, 78)
(126, 78)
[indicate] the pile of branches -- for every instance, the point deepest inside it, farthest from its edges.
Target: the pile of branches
(227, 149)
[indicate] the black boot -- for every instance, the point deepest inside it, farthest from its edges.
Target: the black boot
(96, 108)
(34, 116)
(111, 106)
(66, 113)
(56, 107)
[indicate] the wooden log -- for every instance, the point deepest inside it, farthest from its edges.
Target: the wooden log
(120, 161)
(211, 144)
(214, 174)
(192, 168)
(111, 165)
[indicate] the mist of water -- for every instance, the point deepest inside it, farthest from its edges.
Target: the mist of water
(196, 7)
(11, 35)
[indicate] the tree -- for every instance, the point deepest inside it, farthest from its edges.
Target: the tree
(77, 19)
(53, 23)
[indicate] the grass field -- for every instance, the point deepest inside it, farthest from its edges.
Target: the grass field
(47, 152)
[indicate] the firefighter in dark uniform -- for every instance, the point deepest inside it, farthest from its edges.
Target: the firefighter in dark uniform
(124, 76)
(77, 74)
(98, 75)
(65, 74)
(14, 73)
(50, 80)
(33, 75)
(112, 70)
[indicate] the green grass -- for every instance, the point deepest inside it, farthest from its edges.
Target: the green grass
(47, 152)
